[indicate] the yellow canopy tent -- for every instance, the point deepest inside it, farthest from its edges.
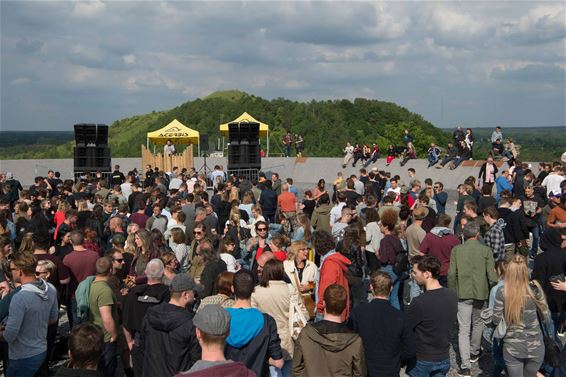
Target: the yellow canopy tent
(245, 117)
(175, 131)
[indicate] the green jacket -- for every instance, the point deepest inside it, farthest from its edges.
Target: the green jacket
(472, 270)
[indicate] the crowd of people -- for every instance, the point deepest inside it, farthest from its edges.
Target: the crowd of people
(361, 278)
(457, 151)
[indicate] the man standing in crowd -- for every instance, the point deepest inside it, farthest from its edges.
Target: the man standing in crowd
(268, 202)
(332, 270)
(31, 311)
(212, 324)
(439, 243)
(81, 263)
(328, 347)
(431, 316)
(168, 336)
(494, 237)
(103, 312)
(253, 337)
(388, 340)
(137, 302)
(471, 274)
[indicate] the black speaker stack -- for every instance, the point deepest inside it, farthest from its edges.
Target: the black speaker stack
(91, 150)
(243, 147)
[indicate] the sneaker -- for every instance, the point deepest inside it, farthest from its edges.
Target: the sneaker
(476, 357)
(464, 373)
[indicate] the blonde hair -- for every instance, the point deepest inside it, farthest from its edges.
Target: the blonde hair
(293, 250)
(517, 290)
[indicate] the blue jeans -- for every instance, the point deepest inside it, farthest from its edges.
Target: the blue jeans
(283, 372)
(394, 296)
(430, 368)
(25, 367)
(536, 237)
(432, 161)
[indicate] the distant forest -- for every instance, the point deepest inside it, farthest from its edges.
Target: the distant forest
(325, 126)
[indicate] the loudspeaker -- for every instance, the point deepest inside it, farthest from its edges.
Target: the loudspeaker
(204, 143)
(249, 132)
(92, 159)
(91, 134)
(244, 156)
(102, 134)
(233, 132)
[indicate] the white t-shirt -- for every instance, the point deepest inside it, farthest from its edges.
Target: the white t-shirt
(230, 261)
(552, 183)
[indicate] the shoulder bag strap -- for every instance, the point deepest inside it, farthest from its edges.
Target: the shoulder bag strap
(296, 278)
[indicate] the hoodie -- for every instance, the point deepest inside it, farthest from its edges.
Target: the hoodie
(333, 271)
(217, 369)
(30, 311)
(168, 340)
(331, 350)
(253, 339)
(439, 242)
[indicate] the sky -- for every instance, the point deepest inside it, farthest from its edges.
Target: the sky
(470, 63)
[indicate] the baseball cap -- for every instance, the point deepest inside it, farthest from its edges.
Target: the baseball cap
(555, 194)
(404, 190)
(212, 319)
(183, 282)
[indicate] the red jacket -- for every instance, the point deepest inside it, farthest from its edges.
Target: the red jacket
(333, 271)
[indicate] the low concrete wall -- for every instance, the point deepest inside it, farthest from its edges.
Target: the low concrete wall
(305, 174)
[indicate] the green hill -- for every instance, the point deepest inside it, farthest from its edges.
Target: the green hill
(326, 126)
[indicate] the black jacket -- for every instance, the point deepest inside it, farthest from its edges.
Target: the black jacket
(209, 274)
(516, 228)
(268, 201)
(387, 337)
(139, 300)
(168, 340)
(551, 262)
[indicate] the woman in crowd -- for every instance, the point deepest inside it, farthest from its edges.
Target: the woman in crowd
(26, 246)
(226, 250)
(320, 219)
(170, 263)
(273, 296)
(247, 203)
(373, 238)
(517, 303)
(319, 190)
(256, 245)
(6, 247)
(308, 205)
(179, 247)
(350, 247)
(222, 291)
(299, 269)
(389, 247)
(195, 261)
(302, 229)
(144, 252)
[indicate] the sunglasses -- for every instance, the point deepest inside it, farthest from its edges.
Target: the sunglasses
(197, 232)
(38, 273)
(261, 229)
(119, 260)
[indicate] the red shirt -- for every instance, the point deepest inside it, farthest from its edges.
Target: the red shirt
(287, 201)
(280, 255)
(81, 264)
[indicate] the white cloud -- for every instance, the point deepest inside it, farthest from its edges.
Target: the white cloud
(89, 8)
